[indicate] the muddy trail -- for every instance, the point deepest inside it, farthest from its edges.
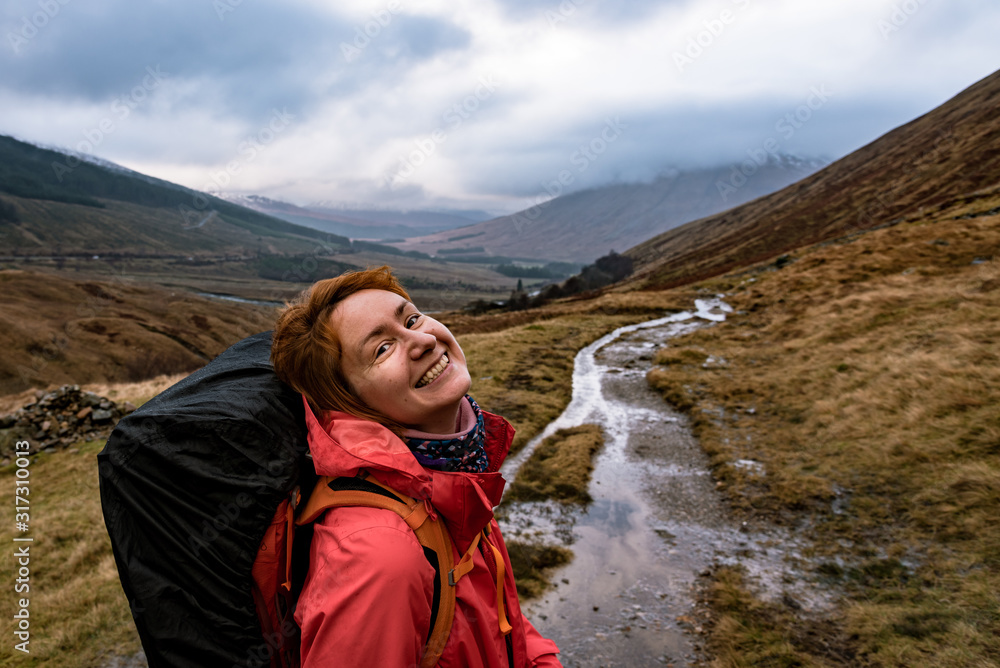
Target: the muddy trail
(656, 520)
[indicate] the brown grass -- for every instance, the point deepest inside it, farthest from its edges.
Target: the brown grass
(138, 392)
(525, 372)
(615, 302)
(79, 615)
(560, 467)
(864, 376)
(750, 633)
(531, 563)
(57, 331)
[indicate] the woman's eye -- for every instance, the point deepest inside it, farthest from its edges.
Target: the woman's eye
(381, 349)
(412, 320)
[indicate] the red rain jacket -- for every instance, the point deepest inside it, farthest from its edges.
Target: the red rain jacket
(368, 594)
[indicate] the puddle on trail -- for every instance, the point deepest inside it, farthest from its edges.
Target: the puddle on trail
(656, 520)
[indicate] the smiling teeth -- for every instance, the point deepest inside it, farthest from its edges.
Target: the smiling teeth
(435, 371)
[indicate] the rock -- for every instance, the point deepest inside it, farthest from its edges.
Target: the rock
(790, 602)
(61, 418)
(90, 399)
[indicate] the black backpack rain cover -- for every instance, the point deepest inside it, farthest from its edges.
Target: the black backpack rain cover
(189, 484)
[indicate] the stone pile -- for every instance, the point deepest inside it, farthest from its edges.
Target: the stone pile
(60, 418)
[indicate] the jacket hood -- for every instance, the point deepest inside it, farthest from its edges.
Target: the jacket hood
(344, 445)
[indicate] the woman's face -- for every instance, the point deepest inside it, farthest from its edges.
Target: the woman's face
(400, 362)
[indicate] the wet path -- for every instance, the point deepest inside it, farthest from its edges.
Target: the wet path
(656, 520)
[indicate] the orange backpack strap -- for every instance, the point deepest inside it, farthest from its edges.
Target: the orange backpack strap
(429, 529)
(271, 585)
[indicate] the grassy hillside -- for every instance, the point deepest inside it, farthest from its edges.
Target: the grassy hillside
(920, 168)
(863, 376)
(76, 206)
(47, 227)
(56, 330)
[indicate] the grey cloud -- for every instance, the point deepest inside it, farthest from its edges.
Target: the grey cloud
(655, 141)
(605, 11)
(248, 60)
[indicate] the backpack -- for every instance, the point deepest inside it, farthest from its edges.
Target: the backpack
(199, 490)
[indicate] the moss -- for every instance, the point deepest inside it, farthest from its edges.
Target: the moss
(531, 562)
(560, 467)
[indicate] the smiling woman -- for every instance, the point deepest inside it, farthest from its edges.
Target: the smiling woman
(385, 387)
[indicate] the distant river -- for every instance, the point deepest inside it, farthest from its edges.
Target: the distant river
(230, 298)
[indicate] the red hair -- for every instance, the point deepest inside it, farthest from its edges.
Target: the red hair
(305, 348)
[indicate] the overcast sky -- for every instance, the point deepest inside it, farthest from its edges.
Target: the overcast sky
(406, 104)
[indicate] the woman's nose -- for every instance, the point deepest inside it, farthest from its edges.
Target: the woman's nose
(421, 343)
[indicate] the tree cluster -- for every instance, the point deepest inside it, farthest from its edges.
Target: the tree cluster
(606, 270)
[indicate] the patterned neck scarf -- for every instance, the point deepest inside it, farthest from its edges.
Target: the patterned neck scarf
(466, 452)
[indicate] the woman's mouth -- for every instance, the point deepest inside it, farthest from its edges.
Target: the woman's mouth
(434, 371)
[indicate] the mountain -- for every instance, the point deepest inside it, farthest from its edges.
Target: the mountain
(58, 203)
(950, 154)
(362, 223)
(584, 225)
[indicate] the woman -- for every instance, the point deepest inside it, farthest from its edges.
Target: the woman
(386, 388)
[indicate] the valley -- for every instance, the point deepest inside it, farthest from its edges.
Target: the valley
(844, 399)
